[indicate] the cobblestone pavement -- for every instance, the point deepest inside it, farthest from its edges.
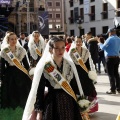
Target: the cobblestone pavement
(109, 105)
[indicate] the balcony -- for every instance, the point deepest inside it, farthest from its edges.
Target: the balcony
(71, 20)
(117, 12)
(71, 3)
(104, 14)
(92, 16)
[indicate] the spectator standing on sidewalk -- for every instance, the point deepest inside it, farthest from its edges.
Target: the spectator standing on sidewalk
(92, 45)
(101, 57)
(112, 49)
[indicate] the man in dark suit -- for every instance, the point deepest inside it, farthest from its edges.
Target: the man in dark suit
(24, 42)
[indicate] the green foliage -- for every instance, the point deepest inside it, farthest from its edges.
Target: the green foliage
(11, 114)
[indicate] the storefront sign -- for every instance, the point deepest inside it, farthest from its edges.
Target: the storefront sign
(5, 1)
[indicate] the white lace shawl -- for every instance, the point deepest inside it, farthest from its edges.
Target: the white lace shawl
(32, 46)
(19, 53)
(67, 73)
(84, 55)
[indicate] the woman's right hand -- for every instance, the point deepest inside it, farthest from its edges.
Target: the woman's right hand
(39, 116)
(33, 115)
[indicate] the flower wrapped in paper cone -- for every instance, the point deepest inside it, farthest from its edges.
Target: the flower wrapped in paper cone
(84, 104)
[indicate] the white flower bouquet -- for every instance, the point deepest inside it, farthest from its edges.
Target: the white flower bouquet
(84, 104)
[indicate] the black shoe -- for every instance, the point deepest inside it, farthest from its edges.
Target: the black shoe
(95, 82)
(111, 92)
(105, 71)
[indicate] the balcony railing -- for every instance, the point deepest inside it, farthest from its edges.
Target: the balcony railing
(92, 16)
(71, 3)
(71, 20)
(117, 12)
(104, 14)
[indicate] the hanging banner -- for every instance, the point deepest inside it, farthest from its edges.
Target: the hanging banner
(86, 6)
(43, 26)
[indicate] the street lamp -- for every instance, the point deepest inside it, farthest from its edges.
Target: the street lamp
(28, 17)
(79, 21)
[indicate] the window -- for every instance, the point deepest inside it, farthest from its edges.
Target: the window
(81, 14)
(71, 20)
(105, 11)
(71, 3)
(92, 14)
(118, 6)
(50, 26)
(50, 15)
(81, 2)
(82, 32)
(72, 33)
(104, 29)
(49, 4)
(93, 30)
(57, 4)
(57, 15)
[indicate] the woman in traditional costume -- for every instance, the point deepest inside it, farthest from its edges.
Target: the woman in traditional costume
(86, 70)
(57, 71)
(16, 83)
(36, 46)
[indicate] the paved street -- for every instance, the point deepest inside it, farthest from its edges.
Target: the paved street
(109, 105)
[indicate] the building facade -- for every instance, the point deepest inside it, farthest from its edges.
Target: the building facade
(91, 15)
(24, 15)
(56, 11)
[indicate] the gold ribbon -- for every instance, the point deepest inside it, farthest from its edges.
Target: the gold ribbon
(15, 61)
(38, 52)
(79, 60)
(85, 116)
(59, 79)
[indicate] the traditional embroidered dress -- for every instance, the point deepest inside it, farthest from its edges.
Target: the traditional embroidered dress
(15, 83)
(57, 103)
(32, 48)
(86, 82)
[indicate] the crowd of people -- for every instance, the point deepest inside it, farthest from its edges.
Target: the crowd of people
(55, 78)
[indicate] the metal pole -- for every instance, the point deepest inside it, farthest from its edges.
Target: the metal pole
(14, 24)
(28, 17)
(19, 21)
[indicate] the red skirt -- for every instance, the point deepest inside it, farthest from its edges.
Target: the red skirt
(94, 108)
